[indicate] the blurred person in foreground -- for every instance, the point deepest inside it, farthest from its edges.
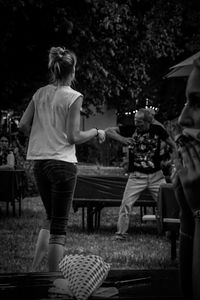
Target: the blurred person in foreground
(52, 122)
(144, 142)
(7, 158)
(187, 187)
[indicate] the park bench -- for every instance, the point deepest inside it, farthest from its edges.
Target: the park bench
(93, 193)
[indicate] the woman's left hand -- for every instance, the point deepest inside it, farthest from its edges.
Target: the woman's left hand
(101, 136)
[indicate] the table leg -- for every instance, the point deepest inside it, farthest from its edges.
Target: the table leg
(83, 218)
(13, 205)
(90, 226)
(99, 219)
(173, 244)
(7, 207)
(141, 213)
(20, 205)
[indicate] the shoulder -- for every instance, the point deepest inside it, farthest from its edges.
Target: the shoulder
(44, 88)
(40, 91)
(73, 92)
(70, 95)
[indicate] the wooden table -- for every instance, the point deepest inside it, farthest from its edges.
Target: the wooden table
(162, 284)
(12, 188)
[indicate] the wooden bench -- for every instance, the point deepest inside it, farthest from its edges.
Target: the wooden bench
(93, 193)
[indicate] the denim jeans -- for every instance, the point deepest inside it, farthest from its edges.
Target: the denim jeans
(137, 182)
(56, 183)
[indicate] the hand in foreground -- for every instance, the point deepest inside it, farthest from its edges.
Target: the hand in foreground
(101, 136)
(189, 173)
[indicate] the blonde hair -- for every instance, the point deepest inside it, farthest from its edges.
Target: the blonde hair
(61, 63)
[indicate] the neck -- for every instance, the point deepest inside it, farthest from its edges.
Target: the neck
(63, 83)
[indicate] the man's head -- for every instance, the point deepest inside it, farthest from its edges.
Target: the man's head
(190, 115)
(151, 111)
(142, 120)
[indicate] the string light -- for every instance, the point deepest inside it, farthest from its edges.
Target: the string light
(152, 107)
(128, 113)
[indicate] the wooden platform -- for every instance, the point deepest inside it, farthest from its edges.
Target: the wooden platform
(157, 284)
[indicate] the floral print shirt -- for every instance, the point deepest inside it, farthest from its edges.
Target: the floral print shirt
(144, 153)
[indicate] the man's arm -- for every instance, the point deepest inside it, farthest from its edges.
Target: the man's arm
(114, 133)
(165, 137)
(171, 143)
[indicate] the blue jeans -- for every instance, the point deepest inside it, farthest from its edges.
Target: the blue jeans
(137, 182)
(56, 183)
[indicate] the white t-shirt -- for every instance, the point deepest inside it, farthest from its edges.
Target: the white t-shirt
(48, 137)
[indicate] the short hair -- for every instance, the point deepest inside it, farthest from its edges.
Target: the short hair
(61, 63)
(147, 115)
(151, 110)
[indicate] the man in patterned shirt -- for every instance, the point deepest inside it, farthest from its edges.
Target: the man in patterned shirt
(144, 142)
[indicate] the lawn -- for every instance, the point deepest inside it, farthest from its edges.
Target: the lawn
(144, 249)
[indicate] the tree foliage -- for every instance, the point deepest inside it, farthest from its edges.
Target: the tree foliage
(124, 47)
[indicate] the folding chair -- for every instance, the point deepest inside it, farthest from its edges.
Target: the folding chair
(167, 215)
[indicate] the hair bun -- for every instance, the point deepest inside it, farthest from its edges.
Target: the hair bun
(57, 53)
(61, 63)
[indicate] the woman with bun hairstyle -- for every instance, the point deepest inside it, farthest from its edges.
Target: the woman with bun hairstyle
(52, 122)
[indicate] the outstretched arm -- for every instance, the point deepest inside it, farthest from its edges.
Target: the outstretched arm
(172, 144)
(113, 133)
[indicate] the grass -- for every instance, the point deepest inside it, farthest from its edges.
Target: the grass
(143, 250)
